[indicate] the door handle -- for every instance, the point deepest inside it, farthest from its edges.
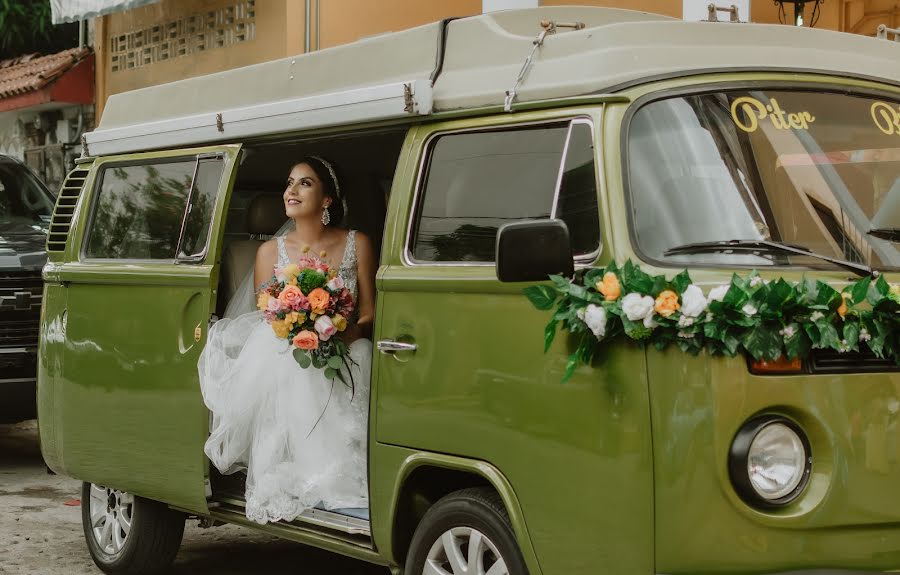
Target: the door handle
(389, 346)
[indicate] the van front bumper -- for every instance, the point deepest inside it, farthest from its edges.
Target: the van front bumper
(18, 376)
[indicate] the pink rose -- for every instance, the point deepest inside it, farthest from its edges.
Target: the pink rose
(325, 328)
(274, 305)
(336, 283)
(290, 296)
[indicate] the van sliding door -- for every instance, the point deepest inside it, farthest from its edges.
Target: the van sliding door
(140, 291)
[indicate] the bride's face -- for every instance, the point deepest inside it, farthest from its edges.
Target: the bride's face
(304, 195)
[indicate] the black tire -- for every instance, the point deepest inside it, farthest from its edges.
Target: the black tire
(152, 542)
(476, 508)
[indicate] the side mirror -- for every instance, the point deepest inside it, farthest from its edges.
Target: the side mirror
(531, 251)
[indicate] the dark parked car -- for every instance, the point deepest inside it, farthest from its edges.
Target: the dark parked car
(25, 209)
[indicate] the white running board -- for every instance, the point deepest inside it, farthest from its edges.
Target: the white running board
(336, 521)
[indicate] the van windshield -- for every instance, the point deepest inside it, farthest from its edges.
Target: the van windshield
(25, 205)
(816, 171)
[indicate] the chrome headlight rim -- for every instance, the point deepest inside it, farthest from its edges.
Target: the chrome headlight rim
(740, 453)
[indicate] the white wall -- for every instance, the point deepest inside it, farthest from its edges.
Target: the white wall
(494, 5)
(697, 9)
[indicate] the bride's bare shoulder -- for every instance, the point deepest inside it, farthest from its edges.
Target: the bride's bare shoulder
(267, 251)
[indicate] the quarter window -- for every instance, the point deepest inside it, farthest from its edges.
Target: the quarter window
(142, 211)
(478, 181)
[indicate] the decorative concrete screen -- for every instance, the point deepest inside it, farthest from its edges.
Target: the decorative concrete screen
(199, 32)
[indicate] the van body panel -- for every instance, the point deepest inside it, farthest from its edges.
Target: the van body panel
(699, 403)
(128, 402)
(50, 369)
(478, 384)
(854, 434)
(389, 483)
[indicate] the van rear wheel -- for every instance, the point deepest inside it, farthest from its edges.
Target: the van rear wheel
(126, 534)
(466, 532)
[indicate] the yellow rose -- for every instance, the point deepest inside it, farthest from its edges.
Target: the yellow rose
(666, 303)
(339, 321)
(842, 309)
(281, 328)
(610, 287)
(262, 301)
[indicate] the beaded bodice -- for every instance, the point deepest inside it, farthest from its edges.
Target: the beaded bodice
(347, 270)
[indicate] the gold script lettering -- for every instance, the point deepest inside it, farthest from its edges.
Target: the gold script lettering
(886, 118)
(753, 111)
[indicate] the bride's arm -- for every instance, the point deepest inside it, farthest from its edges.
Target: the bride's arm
(366, 266)
(266, 256)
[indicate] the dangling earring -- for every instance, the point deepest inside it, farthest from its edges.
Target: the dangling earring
(326, 217)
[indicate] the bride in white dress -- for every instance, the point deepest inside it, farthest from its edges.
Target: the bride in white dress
(301, 437)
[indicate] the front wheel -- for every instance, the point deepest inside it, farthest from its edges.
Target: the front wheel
(127, 534)
(466, 532)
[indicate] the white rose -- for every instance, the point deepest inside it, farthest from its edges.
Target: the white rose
(718, 293)
(749, 309)
(649, 322)
(685, 321)
(692, 301)
(637, 307)
(595, 318)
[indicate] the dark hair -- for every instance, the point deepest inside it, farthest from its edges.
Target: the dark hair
(329, 185)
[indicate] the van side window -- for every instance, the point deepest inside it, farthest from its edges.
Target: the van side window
(139, 210)
(200, 210)
(476, 182)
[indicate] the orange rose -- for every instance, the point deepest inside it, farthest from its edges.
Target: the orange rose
(318, 300)
(610, 287)
(290, 296)
(667, 303)
(842, 309)
(306, 340)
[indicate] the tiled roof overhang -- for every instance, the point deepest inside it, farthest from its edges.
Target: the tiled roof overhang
(66, 77)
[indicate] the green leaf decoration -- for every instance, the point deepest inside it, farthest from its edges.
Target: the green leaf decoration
(301, 356)
(860, 290)
(571, 364)
(549, 334)
(335, 362)
(764, 320)
(330, 373)
(542, 297)
(681, 282)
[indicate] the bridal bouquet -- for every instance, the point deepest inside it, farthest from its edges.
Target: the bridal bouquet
(308, 304)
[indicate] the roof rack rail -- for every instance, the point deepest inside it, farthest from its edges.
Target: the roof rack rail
(714, 10)
(883, 31)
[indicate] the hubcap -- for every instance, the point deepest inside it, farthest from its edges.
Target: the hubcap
(110, 518)
(464, 551)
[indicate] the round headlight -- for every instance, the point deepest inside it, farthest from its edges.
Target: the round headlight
(770, 461)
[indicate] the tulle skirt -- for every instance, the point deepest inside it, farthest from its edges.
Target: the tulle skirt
(301, 437)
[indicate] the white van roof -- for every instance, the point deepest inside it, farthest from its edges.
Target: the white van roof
(469, 63)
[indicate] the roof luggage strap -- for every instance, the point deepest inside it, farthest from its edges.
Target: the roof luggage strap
(548, 27)
(884, 31)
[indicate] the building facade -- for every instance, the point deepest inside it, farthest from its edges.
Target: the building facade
(174, 39)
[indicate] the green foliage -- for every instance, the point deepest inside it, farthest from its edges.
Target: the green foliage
(309, 280)
(763, 319)
(25, 27)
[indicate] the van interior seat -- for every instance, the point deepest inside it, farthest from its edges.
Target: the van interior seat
(265, 214)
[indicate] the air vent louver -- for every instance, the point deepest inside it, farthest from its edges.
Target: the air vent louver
(64, 211)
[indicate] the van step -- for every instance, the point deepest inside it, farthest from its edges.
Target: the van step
(350, 521)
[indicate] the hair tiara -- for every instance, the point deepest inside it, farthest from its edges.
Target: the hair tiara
(330, 168)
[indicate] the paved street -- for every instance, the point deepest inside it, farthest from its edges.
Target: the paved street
(40, 529)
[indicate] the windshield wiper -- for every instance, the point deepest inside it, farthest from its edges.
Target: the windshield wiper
(760, 246)
(890, 234)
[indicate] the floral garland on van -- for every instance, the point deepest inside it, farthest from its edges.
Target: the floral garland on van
(765, 319)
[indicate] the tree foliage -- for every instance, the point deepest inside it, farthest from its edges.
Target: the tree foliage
(25, 28)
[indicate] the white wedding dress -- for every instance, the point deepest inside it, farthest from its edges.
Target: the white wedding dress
(301, 437)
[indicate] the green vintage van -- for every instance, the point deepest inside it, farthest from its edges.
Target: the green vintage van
(482, 155)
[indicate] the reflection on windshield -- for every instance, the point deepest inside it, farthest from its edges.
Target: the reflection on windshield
(804, 168)
(25, 206)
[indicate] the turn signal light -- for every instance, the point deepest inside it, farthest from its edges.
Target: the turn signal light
(780, 365)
